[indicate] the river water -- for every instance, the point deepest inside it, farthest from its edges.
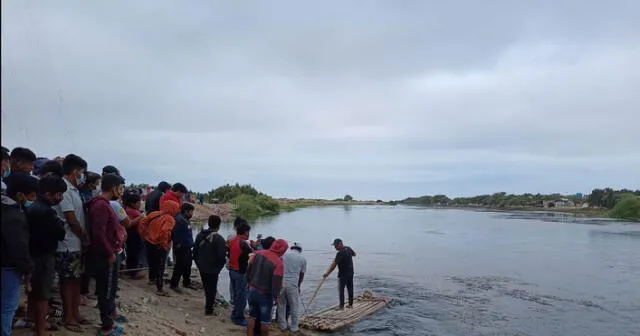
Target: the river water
(455, 272)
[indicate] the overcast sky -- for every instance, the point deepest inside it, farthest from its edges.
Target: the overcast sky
(379, 99)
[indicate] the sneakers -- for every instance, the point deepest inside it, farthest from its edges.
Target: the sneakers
(176, 289)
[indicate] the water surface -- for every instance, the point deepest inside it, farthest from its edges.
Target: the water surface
(455, 272)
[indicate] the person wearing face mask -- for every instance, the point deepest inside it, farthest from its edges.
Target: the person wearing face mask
(22, 160)
(107, 240)
(46, 230)
(69, 258)
(90, 189)
(182, 237)
(17, 265)
(6, 166)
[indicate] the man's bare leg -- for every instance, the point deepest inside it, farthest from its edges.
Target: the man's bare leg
(251, 324)
(264, 329)
(40, 317)
(77, 300)
(68, 312)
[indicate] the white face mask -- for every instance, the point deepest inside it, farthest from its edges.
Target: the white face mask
(95, 193)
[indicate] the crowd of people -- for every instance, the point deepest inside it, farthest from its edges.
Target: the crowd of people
(61, 221)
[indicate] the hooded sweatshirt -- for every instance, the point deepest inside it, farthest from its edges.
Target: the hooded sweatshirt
(105, 232)
(170, 196)
(265, 270)
(157, 227)
(15, 237)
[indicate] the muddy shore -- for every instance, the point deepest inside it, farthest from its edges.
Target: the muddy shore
(149, 314)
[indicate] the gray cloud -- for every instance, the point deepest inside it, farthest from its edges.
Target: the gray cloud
(378, 99)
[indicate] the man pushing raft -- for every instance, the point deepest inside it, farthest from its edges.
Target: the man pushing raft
(344, 262)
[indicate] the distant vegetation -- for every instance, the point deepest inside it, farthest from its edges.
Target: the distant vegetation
(248, 202)
(622, 204)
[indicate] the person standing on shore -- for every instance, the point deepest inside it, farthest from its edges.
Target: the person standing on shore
(69, 256)
(344, 262)
(231, 235)
(106, 241)
(176, 194)
(182, 245)
(239, 251)
(6, 166)
(17, 265)
(155, 229)
(22, 160)
(295, 266)
(264, 278)
(209, 253)
(132, 206)
(152, 203)
(46, 230)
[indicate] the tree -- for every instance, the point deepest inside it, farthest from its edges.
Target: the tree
(347, 198)
(628, 208)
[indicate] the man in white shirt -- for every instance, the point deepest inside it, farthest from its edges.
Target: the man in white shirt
(295, 265)
(69, 261)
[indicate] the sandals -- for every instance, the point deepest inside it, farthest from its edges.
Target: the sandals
(120, 319)
(116, 331)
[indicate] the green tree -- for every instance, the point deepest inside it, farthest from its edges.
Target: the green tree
(627, 208)
(347, 198)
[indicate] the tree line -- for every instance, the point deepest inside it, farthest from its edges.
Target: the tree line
(603, 198)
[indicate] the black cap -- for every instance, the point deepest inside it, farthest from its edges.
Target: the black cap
(110, 170)
(336, 241)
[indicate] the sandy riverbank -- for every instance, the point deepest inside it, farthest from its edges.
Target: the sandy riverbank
(148, 314)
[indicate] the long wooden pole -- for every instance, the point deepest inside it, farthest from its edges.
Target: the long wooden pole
(313, 297)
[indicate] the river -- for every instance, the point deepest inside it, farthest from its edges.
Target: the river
(452, 272)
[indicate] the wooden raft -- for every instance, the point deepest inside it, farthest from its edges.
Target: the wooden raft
(332, 319)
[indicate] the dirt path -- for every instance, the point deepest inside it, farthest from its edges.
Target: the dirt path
(148, 314)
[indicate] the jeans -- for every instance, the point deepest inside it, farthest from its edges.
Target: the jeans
(260, 306)
(239, 288)
(157, 258)
(182, 267)
(345, 281)
(106, 284)
(11, 283)
(290, 297)
(210, 284)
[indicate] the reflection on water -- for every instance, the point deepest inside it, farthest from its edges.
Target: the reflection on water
(474, 273)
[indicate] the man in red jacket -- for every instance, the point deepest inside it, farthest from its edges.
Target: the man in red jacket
(176, 194)
(264, 279)
(106, 239)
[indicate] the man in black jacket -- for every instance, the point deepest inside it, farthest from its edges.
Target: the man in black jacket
(182, 237)
(209, 253)
(46, 230)
(16, 262)
(152, 203)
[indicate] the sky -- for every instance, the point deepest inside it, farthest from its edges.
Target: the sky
(377, 99)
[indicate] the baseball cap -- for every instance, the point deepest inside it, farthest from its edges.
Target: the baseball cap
(297, 245)
(336, 241)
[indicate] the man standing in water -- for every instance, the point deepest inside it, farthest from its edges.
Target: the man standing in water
(344, 262)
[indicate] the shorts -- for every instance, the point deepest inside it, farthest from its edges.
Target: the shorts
(44, 270)
(69, 265)
(260, 306)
